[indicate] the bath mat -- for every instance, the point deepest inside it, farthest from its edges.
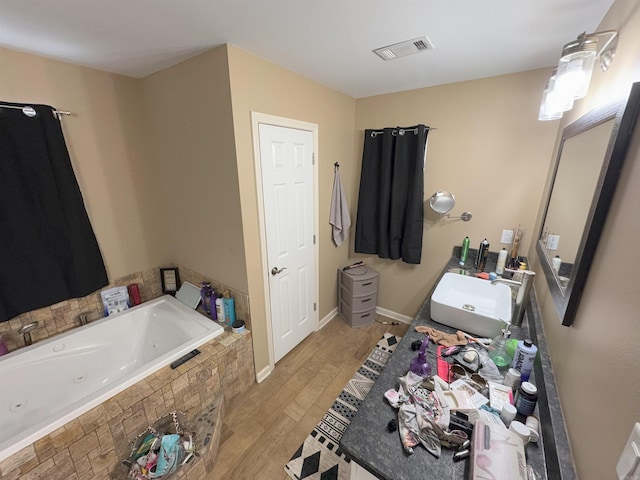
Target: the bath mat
(320, 457)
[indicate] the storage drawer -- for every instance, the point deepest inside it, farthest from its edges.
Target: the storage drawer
(358, 304)
(357, 319)
(360, 283)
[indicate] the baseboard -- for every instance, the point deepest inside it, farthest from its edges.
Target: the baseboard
(393, 315)
(327, 318)
(264, 373)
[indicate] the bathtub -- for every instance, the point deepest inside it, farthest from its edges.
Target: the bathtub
(51, 382)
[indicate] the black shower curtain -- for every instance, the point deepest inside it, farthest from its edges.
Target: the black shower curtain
(390, 202)
(48, 251)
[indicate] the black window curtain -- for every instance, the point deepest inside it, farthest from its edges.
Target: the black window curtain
(48, 251)
(390, 203)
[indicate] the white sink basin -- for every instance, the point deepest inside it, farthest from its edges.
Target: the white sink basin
(471, 304)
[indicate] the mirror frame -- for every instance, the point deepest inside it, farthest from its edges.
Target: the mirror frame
(624, 114)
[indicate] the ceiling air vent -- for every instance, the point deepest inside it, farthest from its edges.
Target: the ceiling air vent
(402, 49)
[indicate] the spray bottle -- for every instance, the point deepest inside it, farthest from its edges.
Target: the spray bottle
(465, 251)
(420, 365)
(483, 252)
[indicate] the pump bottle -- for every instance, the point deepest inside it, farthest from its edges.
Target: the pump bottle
(498, 349)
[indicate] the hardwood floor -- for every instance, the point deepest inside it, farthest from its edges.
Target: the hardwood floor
(263, 428)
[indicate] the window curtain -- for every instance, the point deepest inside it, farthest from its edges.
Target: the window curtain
(48, 251)
(390, 203)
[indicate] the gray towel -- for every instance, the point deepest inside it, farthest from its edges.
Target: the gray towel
(339, 216)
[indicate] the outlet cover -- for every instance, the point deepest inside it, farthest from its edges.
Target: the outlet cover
(628, 467)
(507, 237)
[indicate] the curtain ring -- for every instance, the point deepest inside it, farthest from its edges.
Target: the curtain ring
(401, 132)
(394, 132)
(373, 134)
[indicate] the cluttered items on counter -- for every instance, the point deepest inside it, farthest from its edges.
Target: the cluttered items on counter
(466, 404)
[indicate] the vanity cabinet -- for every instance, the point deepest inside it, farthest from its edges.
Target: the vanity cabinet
(358, 295)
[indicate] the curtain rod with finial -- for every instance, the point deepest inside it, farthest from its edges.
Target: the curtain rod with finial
(29, 111)
(401, 131)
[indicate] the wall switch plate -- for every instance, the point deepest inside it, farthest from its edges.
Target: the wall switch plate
(552, 242)
(507, 237)
(628, 467)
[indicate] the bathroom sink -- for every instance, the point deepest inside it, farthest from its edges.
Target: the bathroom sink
(471, 304)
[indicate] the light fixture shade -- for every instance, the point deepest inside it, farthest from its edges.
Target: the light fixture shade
(575, 67)
(553, 104)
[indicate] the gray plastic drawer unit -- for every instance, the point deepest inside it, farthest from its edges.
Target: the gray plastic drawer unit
(358, 295)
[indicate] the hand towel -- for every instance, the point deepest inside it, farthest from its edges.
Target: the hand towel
(339, 215)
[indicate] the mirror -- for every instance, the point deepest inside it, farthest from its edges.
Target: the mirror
(590, 157)
(442, 202)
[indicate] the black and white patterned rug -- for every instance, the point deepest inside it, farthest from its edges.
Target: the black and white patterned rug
(320, 457)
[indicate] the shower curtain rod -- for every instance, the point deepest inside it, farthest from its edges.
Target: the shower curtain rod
(30, 112)
(401, 131)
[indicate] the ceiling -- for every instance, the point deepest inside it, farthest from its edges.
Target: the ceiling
(328, 41)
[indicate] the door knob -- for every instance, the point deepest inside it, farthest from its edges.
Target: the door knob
(276, 270)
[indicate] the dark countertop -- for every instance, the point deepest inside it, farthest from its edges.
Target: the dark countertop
(368, 442)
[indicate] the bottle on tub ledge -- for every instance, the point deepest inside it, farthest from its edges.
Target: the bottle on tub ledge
(229, 308)
(207, 293)
(219, 308)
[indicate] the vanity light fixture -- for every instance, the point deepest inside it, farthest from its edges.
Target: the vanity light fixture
(570, 80)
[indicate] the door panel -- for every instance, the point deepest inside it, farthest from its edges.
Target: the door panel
(287, 185)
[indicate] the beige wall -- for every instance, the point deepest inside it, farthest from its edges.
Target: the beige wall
(190, 119)
(596, 361)
(109, 148)
(489, 150)
(260, 86)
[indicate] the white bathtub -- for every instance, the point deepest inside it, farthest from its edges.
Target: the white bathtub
(50, 383)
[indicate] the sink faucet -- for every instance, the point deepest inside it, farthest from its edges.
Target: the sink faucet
(522, 293)
(25, 331)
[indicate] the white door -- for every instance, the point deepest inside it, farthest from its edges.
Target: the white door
(286, 157)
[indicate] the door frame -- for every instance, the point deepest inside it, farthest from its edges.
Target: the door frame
(258, 118)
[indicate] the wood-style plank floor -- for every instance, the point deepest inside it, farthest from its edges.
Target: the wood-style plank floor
(263, 427)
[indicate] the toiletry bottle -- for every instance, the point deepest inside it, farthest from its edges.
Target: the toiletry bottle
(502, 260)
(205, 294)
(220, 308)
(465, 251)
(555, 263)
(498, 349)
(481, 258)
(229, 308)
(212, 304)
(420, 365)
(526, 399)
(523, 358)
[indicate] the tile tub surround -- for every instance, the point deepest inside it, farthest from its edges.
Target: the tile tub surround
(63, 316)
(93, 445)
(368, 443)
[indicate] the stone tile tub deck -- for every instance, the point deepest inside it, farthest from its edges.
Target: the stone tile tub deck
(94, 444)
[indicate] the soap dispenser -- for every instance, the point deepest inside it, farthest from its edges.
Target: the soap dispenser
(498, 349)
(420, 365)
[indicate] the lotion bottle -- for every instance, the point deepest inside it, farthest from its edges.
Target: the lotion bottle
(220, 309)
(502, 260)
